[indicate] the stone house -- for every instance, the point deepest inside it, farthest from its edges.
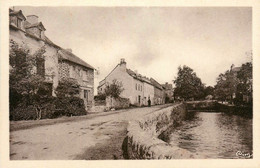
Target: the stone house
(137, 88)
(59, 63)
(158, 92)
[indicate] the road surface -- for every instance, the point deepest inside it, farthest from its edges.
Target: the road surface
(99, 136)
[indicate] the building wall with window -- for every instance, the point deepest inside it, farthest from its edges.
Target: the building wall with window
(84, 76)
(137, 88)
(58, 62)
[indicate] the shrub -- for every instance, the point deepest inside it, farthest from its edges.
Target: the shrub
(52, 107)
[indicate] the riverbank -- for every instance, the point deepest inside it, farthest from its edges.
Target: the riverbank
(213, 106)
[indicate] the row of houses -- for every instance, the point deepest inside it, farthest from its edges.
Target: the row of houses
(59, 63)
(137, 88)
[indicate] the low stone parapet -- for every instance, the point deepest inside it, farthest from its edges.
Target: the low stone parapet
(142, 140)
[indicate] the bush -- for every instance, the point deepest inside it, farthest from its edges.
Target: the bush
(23, 113)
(51, 107)
(70, 106)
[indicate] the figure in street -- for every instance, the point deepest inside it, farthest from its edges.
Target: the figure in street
(149, 102)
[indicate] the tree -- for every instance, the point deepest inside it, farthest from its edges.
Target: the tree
(187, 84)
(245, 85)
(26, 84)
(114, 89)
(209, 90)
(226, 85)
(67, 88)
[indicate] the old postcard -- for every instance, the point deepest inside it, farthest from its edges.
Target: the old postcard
(176, 84)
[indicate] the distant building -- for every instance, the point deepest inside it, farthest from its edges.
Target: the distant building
(159, 92)
(59, 63)
(139, 89)
(168, 90)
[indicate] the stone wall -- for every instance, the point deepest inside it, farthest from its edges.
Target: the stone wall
(117, 103)
(142, 140)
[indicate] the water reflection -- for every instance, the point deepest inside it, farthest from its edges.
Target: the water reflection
(214, 135)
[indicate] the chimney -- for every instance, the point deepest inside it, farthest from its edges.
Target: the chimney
(123, 64)
(69, 49)
(122, 61)
(32, 19)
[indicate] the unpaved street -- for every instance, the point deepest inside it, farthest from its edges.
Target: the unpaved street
(96, 137)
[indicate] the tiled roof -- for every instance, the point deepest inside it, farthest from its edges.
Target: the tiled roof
(35, 25)
(66, 55)
(138, 76)
(156, 84)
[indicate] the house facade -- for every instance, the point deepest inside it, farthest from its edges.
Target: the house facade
(59, 63)
(159, 94)
(137, 88)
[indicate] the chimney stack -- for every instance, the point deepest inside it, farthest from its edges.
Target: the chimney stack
(32, 19)
(122, 61)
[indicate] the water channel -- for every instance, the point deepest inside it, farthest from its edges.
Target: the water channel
(214, 135)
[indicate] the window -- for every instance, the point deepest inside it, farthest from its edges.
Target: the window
(80, 73)
(72, 71)
(85, 76)
(40, 66)
(40, 33)
(86, 94)
(19, 22)
(136, 86)
(141, 88)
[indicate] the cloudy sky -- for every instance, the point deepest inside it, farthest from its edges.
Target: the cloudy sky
(153, 40)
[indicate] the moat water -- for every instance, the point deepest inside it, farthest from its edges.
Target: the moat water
(214, 135)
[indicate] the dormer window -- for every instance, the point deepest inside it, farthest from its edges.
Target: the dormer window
(16, 18)
(19, 23)
(34, 27)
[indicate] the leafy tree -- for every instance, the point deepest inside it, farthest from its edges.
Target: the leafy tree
(114, 89)
(209, 90)
(26, 84)
(226, 85)
(187, 84)
(245, 85)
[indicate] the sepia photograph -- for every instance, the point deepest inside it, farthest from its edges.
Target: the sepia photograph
(130, 83)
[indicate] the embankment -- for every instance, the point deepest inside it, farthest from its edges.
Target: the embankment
(214, 106)
(143, 142)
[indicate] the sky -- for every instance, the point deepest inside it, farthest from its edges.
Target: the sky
(153, 40)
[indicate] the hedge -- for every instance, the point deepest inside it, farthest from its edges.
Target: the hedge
(52, 107)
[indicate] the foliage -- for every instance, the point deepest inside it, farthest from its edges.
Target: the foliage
(100, 96)
(114, 89)
(187, 84)
(51, 107)
(236, 83)
(245, 79)
(30, 95)
(67, 87)
(69, 106)
(226, 85)
(209, 90)
(245, 83)
(26, 84)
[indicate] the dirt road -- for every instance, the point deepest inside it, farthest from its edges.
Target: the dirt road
(97, 137)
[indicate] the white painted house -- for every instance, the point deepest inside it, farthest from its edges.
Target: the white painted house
(137, 88)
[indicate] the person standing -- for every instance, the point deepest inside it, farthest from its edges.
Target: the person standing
(149, 102)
